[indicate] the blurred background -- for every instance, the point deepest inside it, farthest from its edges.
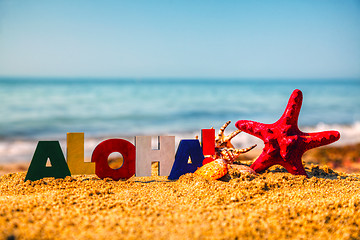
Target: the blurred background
(127, 68)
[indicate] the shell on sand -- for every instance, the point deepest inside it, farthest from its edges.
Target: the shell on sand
(242, 169)
(213, 170)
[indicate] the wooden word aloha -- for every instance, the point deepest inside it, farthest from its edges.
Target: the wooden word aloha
(137, 159)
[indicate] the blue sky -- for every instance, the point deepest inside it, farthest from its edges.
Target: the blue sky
(201, 39)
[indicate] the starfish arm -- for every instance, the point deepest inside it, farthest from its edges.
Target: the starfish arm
(251, 127)
(317, 139)
(295, 168)
(263, 162)
(292, 110)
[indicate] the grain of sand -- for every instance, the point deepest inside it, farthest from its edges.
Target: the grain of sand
(273, 205)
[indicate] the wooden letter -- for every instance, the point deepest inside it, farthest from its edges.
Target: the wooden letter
(75, 155)
(102, 152)
(47, 150)
(187, 148)
(208, 141)
(145, 155)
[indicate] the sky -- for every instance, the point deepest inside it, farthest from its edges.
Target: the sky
(180, 39)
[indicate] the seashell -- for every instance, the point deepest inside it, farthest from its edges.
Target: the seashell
(213, 170)
(225, 154)
(224, 148)
(242, 169)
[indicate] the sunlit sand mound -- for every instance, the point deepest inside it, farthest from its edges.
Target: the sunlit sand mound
(272, 205)
(341, 158)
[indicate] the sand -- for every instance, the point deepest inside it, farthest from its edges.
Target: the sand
(272, 205)
(13, 167)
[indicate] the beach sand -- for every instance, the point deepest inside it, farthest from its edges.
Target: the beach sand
(271, 205)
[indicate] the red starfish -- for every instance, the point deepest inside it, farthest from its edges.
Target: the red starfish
(284, 142)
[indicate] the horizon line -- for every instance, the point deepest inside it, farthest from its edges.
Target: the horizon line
(187, 78)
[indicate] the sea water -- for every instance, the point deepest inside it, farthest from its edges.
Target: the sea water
(34, 109)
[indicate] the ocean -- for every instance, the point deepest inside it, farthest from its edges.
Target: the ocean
(34, 109)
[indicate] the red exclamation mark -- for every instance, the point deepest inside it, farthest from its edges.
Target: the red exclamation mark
(208, 144)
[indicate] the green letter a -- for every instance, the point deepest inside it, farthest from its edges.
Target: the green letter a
(38, 169)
